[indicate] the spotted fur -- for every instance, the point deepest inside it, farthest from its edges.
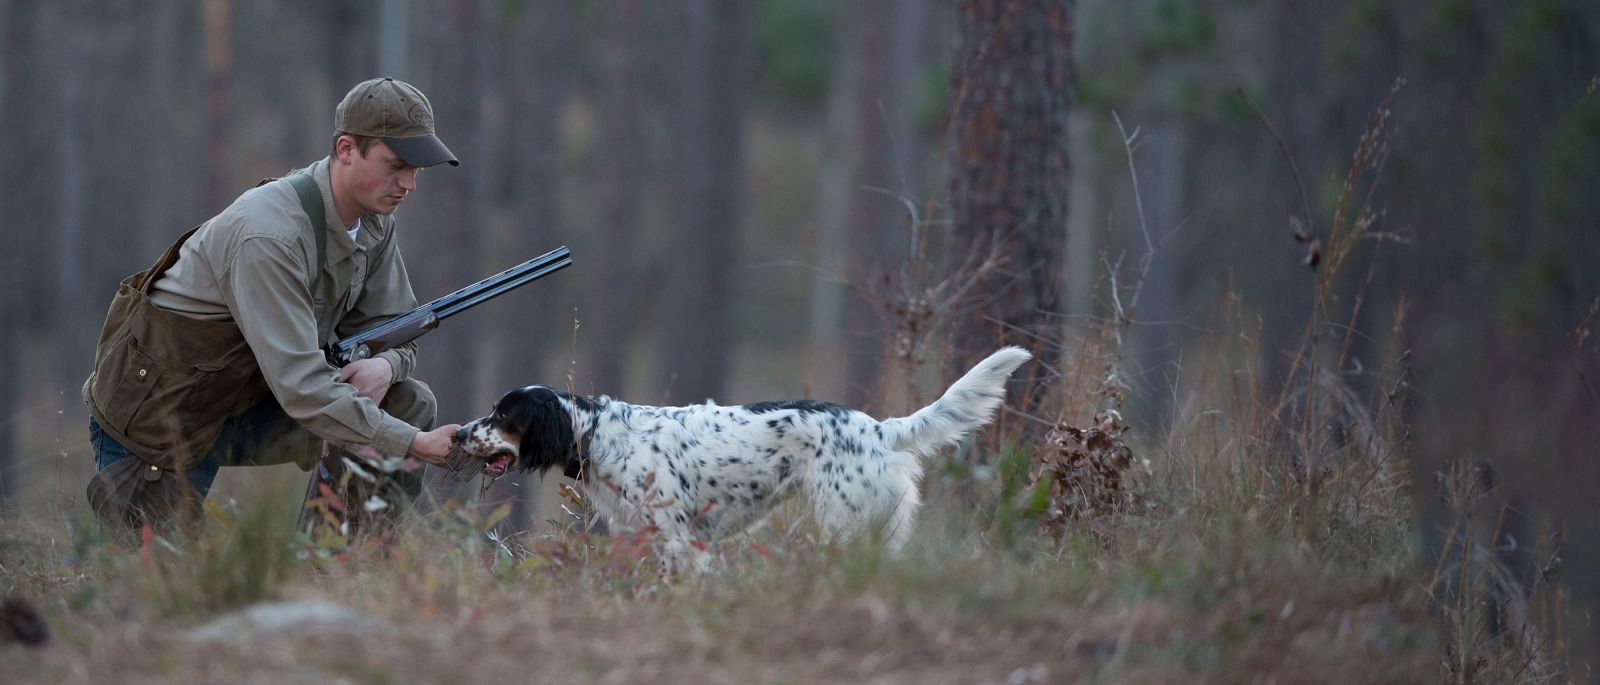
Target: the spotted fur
(705, 471)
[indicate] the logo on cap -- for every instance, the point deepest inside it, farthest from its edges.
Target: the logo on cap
(419, 115)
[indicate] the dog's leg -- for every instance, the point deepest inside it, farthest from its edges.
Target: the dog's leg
(903, 521)
(882, 497)
(902, 480)
(844, 506)
(680, 555)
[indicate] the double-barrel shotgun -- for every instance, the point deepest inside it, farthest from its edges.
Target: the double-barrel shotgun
(411, 325)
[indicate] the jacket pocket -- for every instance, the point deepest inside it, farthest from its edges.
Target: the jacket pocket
(146, 396)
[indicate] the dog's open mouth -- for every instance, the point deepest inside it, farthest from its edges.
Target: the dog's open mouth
(498, 463)
(466, 465)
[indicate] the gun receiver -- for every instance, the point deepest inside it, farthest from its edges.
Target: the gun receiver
(411, 325)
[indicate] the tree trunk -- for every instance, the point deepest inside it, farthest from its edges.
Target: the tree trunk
(72, 209)
(1012, 84)
(155, 229)
(882, 179)
(394, 40)
(217, 20)
(1163, 165)
(532, 195)
(455, 225)
(707, 186)
(608, 307)
(20, 28)
(350, 53)
(830, 346)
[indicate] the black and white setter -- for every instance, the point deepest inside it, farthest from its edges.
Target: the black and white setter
(705, 471)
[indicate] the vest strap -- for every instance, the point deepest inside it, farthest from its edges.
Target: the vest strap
(311, 200)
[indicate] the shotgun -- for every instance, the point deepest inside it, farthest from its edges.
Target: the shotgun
(411, 325)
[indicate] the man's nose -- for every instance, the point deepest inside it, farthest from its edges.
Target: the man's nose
(408, 179)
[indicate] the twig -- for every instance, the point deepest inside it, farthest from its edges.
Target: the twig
(1578, 336)
(1133, 173)
(1129, 141)
(1283, 147)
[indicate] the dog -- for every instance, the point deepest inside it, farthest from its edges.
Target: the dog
(706, 471)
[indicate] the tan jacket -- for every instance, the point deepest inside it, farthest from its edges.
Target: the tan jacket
(252, 266)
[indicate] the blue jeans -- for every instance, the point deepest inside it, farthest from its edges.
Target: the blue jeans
(261, 436)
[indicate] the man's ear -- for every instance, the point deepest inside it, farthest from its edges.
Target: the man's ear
(342, 146)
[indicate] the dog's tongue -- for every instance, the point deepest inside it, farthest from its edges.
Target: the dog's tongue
(498, 466)
(460, 463)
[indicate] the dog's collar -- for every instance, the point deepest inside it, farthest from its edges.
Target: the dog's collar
(576, 467)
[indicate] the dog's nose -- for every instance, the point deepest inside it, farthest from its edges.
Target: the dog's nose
(461, 435)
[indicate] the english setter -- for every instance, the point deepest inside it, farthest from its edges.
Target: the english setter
(709, 470)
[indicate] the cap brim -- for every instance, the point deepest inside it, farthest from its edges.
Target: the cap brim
(421, 151)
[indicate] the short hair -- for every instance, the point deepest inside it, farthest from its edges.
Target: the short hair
(363, 143)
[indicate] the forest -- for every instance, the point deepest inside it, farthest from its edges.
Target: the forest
(1308, 286)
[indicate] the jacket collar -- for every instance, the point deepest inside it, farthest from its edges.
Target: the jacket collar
(340, 246)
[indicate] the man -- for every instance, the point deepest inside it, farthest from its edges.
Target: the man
(213, 357)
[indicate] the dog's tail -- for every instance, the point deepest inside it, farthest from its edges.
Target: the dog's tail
(968, 405)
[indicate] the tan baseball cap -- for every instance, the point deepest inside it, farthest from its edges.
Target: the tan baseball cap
(397, 113)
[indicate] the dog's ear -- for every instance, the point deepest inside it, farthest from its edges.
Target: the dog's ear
(547, 438)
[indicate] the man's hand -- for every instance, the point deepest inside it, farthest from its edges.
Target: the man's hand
(432, 446)
(372, 377)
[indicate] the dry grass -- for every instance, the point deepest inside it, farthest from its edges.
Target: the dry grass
(1227, 570)
(1194, 593)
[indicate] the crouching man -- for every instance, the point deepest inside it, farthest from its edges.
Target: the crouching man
(213, 356)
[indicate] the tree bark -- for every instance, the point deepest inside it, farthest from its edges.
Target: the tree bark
(1013, 86)
(707, 186)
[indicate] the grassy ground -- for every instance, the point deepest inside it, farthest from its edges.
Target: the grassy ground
(1186, 596)
(1207, 554)
(1257, 535)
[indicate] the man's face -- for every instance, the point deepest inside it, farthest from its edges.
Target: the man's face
(378, 181)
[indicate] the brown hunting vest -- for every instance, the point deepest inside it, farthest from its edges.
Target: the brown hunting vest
(164, 383)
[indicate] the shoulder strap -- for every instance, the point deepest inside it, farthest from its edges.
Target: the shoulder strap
(311, 200)
(144, 279)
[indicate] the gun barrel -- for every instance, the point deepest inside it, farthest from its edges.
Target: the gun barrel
(490, 293)
(494, 282)
(459, 301)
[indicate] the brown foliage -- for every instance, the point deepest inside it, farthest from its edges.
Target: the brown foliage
(1084, 471)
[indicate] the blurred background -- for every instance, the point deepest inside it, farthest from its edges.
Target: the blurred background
(762, 199)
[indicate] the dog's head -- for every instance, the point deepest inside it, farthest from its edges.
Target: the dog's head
(529, 429)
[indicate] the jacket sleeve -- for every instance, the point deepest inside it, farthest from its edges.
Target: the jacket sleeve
(265, 287)
(387, 294)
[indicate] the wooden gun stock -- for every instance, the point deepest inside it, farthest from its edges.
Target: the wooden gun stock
(411, 327)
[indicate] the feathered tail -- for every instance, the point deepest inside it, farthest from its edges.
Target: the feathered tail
(968, 405)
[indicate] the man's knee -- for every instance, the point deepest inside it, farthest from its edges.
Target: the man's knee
(412, 401)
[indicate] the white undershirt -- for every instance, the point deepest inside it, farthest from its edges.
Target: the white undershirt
(354, 229)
